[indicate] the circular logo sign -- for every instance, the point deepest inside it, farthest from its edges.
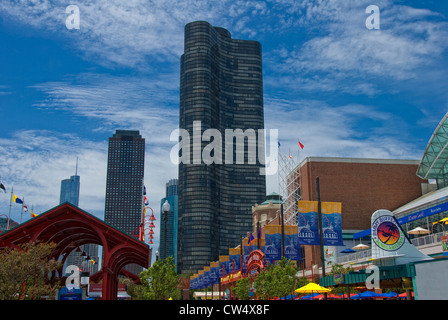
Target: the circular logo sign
(386, 233)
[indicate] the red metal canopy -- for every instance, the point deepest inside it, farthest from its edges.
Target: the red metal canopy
(69, 227)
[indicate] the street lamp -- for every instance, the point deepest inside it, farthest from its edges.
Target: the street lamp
(165, 209)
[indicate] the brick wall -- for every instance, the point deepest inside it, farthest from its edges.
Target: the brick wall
(362, 188)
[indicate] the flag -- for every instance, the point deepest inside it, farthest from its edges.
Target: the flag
(144, 190)
(146, 201)
(2, 187)
(16, 199)
(290, 157)
(300, 144)
(279, 144)
(250, 238)
(33, 215)
(25, 208)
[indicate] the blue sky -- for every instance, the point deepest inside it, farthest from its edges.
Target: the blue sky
(342, 89)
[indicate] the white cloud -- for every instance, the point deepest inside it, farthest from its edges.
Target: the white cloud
(33, 163)
(334, 53)
(5, 90)
(338, 130)
(147, 104)
(127, 33)
(345, 56)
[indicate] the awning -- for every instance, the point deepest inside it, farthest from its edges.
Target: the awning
(361, 234)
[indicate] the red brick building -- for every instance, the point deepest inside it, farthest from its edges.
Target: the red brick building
(362, 186)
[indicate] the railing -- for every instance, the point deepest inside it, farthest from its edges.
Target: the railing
(428, 239)
(364, 254)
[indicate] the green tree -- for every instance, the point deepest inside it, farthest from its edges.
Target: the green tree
(340, 269)
(277, 280)
(24, 271)
(242, 289)
(160, 282)
(133, 289)
(302, 281)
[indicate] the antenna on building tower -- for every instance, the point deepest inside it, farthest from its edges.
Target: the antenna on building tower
(76, 170)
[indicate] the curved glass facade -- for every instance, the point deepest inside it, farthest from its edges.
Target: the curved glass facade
(434, 162)
(221, 86)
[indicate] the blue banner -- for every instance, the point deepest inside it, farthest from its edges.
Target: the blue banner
(292, 246)
(332, 223)
(307, 221)
(224, 265)
(214, 273)
(206, 279)
(308, 232)
(273, 243)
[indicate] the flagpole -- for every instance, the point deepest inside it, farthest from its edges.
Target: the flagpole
(249, 242)
(9, 215)
(21, 211)
(321, 234)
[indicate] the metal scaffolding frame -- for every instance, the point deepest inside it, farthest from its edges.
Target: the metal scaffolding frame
(290, 182)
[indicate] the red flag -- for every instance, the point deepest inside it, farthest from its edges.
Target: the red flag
(300, 144)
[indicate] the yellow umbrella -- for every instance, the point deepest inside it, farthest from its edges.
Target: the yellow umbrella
(312, 288)
(443, 221)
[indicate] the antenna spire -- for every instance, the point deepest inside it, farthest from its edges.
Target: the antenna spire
(76, 170)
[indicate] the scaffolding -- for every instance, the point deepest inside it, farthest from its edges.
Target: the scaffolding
(290, 182)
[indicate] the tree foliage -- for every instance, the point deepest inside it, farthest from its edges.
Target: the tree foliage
(160, 282)
(242, 289)
(340, 269)
(277, 280)
(24, 271)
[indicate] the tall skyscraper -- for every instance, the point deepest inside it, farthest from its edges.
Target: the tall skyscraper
(171, 229)
(70, 193)
(124, 181)
(70, 189)
(221, 88)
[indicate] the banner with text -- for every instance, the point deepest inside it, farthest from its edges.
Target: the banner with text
(308, 226)
(273, 243)
(292, 246)
(235, 258)
(214, 272)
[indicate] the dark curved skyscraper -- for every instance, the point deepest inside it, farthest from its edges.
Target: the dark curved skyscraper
(221, 88)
